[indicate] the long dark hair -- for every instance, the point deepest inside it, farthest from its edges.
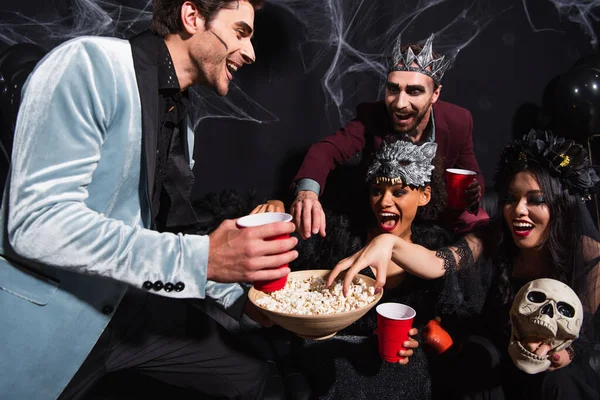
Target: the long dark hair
(166, 16)
(560, 239)
(431, 211)
(425, 231)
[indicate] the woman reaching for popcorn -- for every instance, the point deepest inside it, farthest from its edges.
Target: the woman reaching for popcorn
(406, 192)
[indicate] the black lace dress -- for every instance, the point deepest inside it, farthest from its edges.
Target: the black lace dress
(348, 366)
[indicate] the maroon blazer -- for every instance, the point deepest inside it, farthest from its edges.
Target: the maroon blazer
(453, 135)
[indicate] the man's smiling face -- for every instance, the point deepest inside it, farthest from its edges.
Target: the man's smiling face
(224, 46)
(408, 98)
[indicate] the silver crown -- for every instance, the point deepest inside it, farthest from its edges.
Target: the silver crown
(403, 161)
(425, 61)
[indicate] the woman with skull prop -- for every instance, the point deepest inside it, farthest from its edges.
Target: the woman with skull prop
(544, 231)
(406, 193)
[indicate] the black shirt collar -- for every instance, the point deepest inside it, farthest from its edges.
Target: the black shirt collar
(429, 131)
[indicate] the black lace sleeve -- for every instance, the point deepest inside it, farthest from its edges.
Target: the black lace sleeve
(463, 293)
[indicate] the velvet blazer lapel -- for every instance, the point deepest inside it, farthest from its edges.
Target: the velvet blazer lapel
(145, 54)
(442, 129)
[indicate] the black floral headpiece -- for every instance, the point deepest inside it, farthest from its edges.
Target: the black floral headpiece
(565, 160)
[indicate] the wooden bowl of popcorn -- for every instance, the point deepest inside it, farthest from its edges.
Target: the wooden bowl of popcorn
(306, 307)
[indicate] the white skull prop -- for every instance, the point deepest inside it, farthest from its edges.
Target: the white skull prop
(546, 309)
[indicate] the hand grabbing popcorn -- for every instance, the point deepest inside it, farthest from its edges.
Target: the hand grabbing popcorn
(310, 296)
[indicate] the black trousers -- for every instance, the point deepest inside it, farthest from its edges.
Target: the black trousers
(171, 341)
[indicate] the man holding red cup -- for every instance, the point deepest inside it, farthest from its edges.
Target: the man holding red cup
(246, 255)
(262, 219)
(463, 189)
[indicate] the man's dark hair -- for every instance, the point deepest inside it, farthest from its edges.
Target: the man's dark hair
(166, 17)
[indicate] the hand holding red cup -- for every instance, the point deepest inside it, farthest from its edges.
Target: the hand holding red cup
(264, 219)
(394, 320)
(457, 182)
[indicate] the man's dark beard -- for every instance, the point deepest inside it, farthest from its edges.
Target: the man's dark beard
(412, 129)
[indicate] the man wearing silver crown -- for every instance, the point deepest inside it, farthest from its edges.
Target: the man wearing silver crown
(410, 110)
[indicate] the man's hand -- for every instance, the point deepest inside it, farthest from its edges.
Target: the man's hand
(269, 206)
(308, 214)
(243, 255)
(473, 196)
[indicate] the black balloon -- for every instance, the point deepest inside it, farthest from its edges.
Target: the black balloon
(575, 102)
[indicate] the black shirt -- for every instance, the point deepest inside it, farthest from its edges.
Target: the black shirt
(171, 208)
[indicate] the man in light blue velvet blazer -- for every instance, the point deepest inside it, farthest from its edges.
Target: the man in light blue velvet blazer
(102, 124)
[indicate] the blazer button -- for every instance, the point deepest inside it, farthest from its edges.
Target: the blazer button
(147, 285)
(169, 287)
(179, 286)
(107, 309)
(158, 285)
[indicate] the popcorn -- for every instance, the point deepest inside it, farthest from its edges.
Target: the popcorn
(309, 296)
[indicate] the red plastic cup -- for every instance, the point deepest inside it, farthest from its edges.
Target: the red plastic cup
(457, 181)
(264, 219)
(394, 320)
